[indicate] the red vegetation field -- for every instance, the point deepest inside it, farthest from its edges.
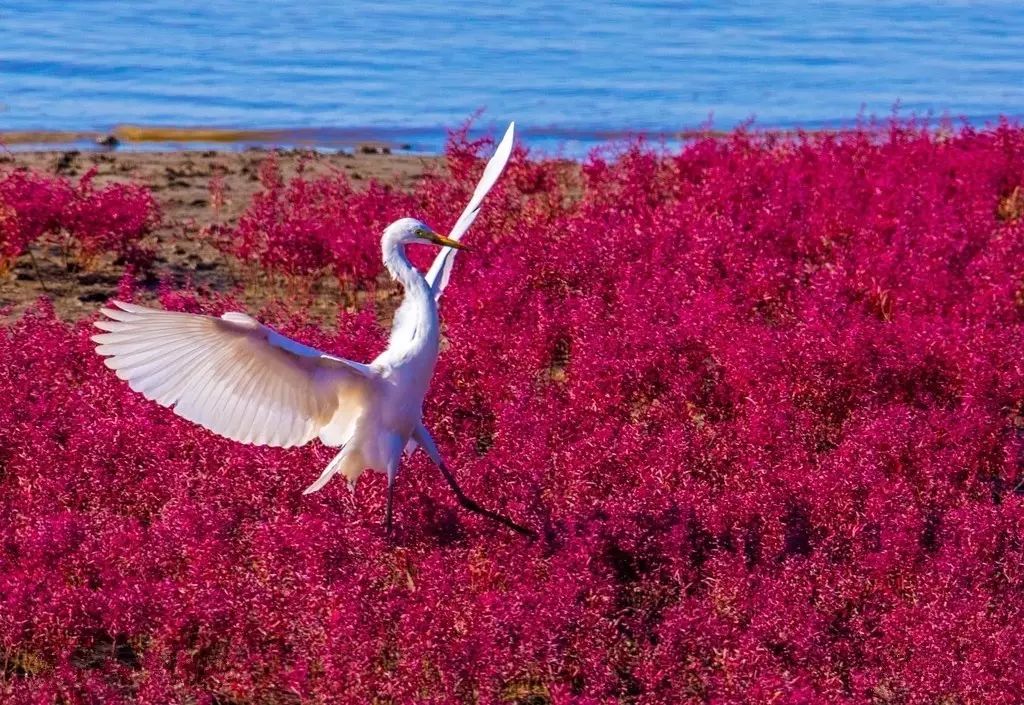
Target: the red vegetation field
(763, 400)
(108, 220)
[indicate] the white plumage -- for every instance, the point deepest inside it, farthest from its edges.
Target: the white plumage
(232, 375)
(247, 382)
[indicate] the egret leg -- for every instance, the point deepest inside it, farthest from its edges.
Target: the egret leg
(422, 436)
(387, 514)
(472, 506)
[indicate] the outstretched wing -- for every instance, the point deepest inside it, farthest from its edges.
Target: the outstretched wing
(441, 269)
(232, 375)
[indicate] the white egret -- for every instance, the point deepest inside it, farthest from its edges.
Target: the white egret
(245, 381)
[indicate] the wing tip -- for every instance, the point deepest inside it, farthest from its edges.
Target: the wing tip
(508, 139)
(130, 308)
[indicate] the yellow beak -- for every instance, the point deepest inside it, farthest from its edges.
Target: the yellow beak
(446, 241)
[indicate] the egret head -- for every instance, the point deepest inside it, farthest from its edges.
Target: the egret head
(409, 230)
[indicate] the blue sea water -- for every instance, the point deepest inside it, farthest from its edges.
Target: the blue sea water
(569, 71)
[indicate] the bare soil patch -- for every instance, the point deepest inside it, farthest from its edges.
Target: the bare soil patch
(181, 183)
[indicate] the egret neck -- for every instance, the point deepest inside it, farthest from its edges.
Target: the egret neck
(415, 334)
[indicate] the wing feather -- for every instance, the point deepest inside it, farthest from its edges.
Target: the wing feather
(195, 385)
(232, 375)
(246, 405)
(271, 420)
(239, 384)
(441, 269)
(222, 368)
(177, 377)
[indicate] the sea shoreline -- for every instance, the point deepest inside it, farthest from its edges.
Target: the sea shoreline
(425, 141)
(543, 142)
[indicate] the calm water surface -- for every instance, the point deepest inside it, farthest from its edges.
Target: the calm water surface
(567, 71)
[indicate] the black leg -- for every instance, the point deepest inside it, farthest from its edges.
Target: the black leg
(472, 506)
(387, 516)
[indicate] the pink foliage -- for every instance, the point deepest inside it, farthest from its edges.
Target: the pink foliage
(306, 226)
(112, 219)
(30, 205)
(763, 399)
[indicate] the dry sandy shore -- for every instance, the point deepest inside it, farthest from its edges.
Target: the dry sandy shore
(180, 182)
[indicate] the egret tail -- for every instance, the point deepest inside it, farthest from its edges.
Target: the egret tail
(348, 462)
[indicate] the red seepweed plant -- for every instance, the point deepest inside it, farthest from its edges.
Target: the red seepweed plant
(108, 220)
(764, 397)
